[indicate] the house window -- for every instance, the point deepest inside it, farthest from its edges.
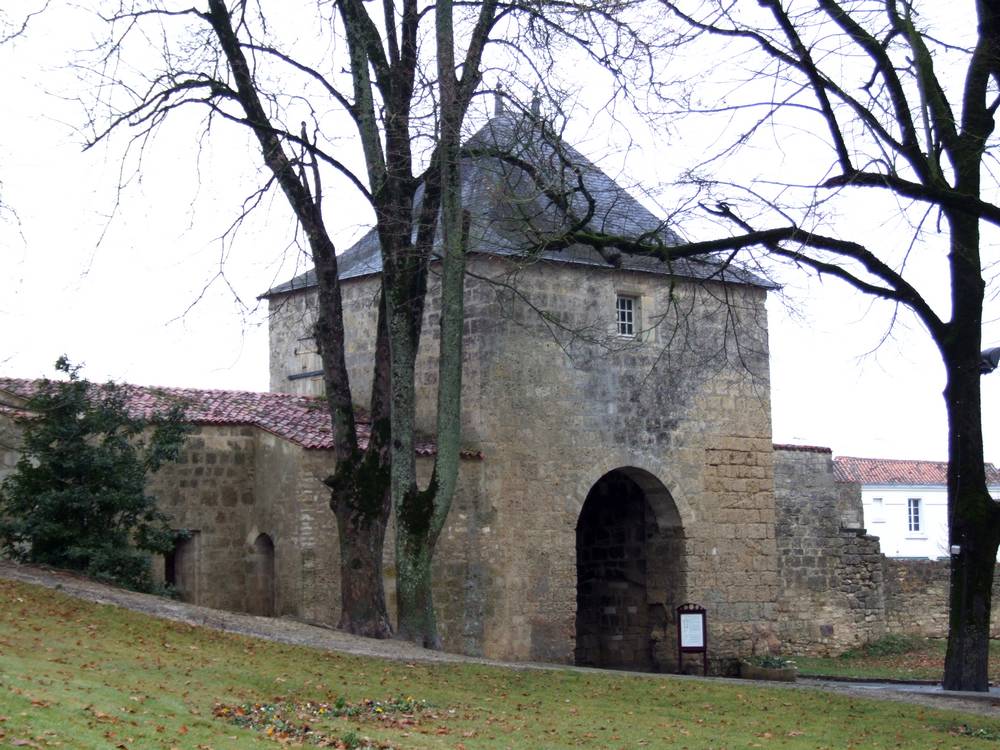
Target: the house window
(878, 515)
(626, 309)
(913, 513)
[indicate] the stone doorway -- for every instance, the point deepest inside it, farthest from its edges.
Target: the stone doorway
(260, 591)
(180, 566)
(629, 548)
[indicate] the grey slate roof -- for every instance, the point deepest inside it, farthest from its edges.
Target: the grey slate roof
(503, 199)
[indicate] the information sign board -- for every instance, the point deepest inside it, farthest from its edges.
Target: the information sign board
(693, 630)
(692, 634)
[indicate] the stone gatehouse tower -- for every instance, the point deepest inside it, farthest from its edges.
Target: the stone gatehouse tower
(619, 411)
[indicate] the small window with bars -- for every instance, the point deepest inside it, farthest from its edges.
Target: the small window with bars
(626, 309)
(913, 514)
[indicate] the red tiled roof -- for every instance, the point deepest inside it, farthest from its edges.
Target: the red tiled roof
(898, 471)
(301, 420)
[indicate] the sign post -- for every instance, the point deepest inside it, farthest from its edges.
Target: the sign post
(692, 634)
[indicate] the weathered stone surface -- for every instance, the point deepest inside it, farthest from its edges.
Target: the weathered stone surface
(555, 401)
(831, 576)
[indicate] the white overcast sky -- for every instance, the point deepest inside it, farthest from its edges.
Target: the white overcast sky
(129, 284)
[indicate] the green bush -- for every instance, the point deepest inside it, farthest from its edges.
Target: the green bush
(77, 498)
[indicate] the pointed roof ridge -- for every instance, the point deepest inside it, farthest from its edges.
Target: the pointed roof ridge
(522, 136)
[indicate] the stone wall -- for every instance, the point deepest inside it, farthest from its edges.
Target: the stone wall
(916, 597)
(837, 589)
(209, 491)
(676, 410)
(556, 400)
(10, 441)
(832, 579)
(295, 364)
(234, 485)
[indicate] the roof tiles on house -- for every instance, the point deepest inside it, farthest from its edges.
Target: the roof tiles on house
(898, 471)
(302, 420)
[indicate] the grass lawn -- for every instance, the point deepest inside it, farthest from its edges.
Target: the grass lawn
(917, 659)
(79, 675)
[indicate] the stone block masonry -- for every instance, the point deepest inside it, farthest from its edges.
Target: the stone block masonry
(832, 594)
(558, 402)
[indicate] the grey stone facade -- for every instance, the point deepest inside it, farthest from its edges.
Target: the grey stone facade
(555, 401)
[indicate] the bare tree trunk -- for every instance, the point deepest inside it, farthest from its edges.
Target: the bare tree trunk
(973, 528)
(422, 514)
(359, 486)
(407, 499)
(361, 502)
(973, 519)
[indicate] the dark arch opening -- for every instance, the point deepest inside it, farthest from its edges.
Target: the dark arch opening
(181, 566)
(629, 544)
(260, 594)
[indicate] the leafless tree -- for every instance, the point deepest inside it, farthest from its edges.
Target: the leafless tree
(230, 60)
(898, 107)
(378, 68)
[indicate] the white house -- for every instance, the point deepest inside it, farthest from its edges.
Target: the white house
(905, 502)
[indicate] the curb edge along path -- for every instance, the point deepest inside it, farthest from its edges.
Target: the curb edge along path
(293, 632)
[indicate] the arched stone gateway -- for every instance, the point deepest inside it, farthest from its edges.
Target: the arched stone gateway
(630, 578)
(260, 594)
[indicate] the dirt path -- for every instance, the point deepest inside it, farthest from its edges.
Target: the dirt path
(291, 632)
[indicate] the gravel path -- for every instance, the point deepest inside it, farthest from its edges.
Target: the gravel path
(292, 632)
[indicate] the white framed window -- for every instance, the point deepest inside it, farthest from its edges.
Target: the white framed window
(627, 314)
(913, 514)
(878, 510)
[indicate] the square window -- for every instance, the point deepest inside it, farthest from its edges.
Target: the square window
(625, 310)
(913, 513)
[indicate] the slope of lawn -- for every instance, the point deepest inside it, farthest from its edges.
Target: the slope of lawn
(79, 675)
(890, 658)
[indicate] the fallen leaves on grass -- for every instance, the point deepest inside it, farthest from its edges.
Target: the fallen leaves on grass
(286, 720)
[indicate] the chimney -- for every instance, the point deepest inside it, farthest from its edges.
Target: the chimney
(498, 100)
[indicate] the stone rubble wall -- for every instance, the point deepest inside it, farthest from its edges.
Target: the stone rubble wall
(832, 593)
(917, 597)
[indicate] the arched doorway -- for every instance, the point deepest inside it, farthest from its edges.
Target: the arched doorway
(181, 566)
(629, 545)
(260, 594)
